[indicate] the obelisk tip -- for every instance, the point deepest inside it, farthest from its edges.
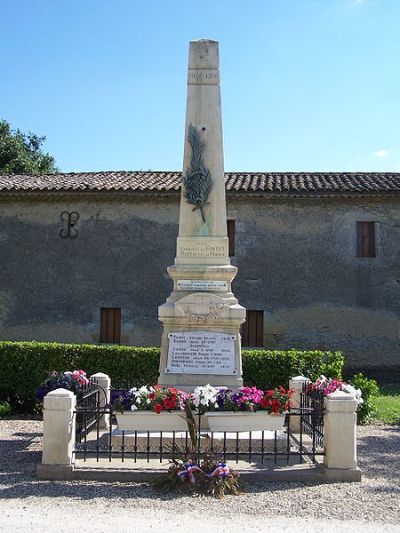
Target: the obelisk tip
(204, 54)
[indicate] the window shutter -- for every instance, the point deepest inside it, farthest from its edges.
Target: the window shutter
(366, 239)
(231, 236)
(253, 329)
(110, 325)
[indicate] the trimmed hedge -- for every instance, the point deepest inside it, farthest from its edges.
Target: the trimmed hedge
(24, 365)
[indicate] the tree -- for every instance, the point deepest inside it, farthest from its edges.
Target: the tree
(21, 153)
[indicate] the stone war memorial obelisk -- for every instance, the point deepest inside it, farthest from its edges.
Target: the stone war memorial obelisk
(201, 318)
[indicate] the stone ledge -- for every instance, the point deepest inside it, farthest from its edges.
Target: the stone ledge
(253, 473)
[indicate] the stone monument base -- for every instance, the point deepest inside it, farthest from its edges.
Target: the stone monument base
(201, 342)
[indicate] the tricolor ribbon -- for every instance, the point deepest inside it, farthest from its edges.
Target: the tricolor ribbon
(222, 470)
(189, 470)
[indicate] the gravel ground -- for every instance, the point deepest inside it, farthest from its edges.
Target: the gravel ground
(27, 504)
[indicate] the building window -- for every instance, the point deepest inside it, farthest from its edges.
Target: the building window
(231, 236)
(110, 325)
(366, 239)
(253, 328)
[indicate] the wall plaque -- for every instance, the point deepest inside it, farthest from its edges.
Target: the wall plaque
(201, 352)
(201, 285)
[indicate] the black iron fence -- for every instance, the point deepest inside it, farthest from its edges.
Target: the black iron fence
(98, 437)
(88, 416)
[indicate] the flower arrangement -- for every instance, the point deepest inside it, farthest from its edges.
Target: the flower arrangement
(156, 399)
(326, 385)
(248, 399)
(75, 381)
(205, 398)
(208, 475)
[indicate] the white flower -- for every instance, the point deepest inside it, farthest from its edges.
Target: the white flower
(133, 407)
(133, 390)
(204, 396)
(356, 393)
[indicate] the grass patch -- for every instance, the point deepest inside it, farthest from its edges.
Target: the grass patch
(386, 405)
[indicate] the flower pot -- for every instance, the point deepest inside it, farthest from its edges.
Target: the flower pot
(244, 421)
(150, 421)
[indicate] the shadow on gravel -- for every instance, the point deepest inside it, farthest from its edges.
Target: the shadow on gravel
(379, 456)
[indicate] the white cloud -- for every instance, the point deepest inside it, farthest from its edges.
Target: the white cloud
(381, 153)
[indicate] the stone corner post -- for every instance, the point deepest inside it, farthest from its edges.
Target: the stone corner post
(104, 383)
(340, 431)
(58, 427)
(297, 384)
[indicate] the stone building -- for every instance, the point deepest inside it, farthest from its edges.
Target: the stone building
(84, 258)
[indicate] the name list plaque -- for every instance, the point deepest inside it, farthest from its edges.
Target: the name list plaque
(201, 352)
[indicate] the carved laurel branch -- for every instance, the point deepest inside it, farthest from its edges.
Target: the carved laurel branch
(216, 310)
(197, 179)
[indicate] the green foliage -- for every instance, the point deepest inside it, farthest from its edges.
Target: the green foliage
(21, 153)
(24, 366)
(369, 388)
(5, 408)
(265, 368)
(386, 405)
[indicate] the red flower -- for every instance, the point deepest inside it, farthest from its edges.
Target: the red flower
(275, 406)
(265, 402)
(157, 408)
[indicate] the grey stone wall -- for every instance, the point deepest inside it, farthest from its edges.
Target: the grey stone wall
(297, 261)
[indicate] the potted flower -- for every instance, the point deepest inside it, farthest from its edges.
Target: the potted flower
(247, 409)
(151, 409)
(325, 386)
(75, 381)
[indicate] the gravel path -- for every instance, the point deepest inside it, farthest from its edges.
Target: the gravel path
(27, 504)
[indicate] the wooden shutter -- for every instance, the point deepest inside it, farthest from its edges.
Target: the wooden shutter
(110, 325)
(231, 236)
(253, 329)
(366, 239)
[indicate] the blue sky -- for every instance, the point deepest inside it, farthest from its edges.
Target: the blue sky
(307, 85)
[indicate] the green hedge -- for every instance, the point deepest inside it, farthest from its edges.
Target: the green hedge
(24, 365)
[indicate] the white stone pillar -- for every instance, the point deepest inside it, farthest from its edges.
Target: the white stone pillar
(202, 305)
(297, 384)
(104, 383)
(340, 431)
(58, 427)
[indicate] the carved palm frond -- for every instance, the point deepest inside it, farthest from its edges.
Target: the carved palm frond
(197, 178)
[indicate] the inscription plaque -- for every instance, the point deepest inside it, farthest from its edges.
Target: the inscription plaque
(202, 249)
(201, 352)
(201, 285)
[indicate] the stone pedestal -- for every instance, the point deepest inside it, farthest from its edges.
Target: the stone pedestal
(297, 383)
(340, 428)
(104, 382)
(202, 317)
(58, 427)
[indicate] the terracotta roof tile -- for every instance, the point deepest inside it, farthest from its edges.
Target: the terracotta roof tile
(253, 182)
